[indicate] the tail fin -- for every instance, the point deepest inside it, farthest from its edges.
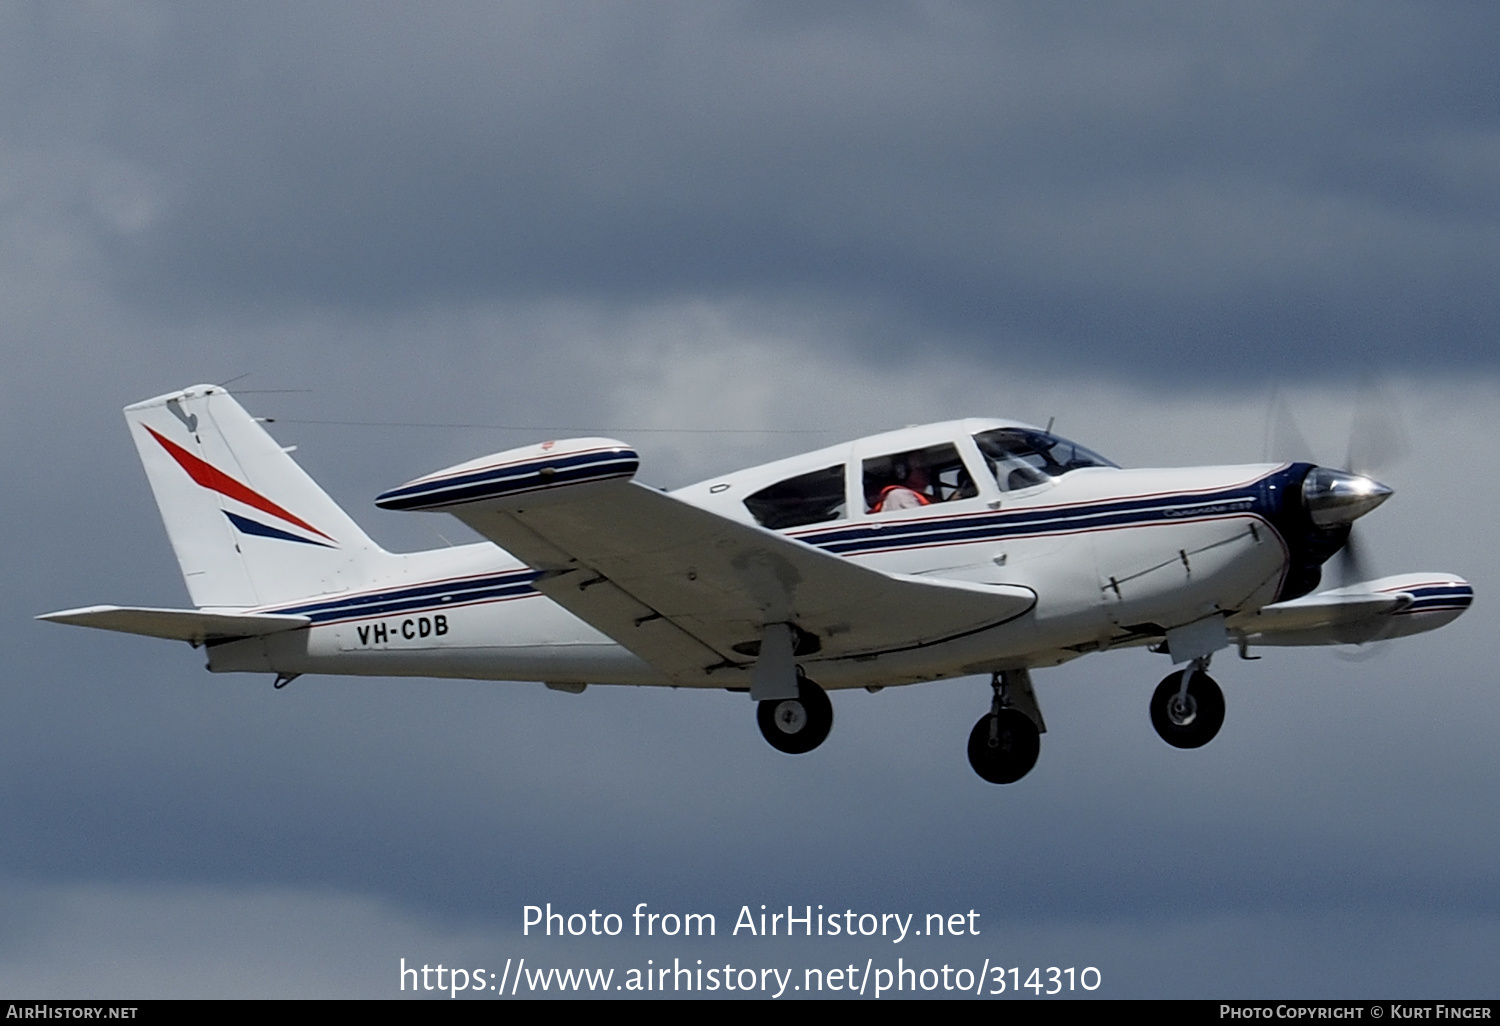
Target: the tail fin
(248, 525)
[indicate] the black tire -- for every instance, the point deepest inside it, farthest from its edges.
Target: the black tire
(796, 725)
(1195, 725)
(1007, 752)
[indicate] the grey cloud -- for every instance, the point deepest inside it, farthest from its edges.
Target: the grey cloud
(763, 217)
(1328, 800)
(1269, 188)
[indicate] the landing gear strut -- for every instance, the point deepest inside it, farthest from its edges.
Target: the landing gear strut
(1004, 744)
(796, 725)
(1187, 709)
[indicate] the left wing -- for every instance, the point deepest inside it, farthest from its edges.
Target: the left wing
(688, 590)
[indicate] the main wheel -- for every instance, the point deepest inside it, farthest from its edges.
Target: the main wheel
(1003, 746)
(1193, 721)
(796, 725)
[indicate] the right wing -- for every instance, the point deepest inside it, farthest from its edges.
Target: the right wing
(1386, 608)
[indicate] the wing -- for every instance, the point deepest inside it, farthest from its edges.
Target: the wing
(688, 590)
(1385, 608)
(189, 625)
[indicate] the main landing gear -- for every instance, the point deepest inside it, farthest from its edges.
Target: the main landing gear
(1004, 744)
(796, 725)
(1187, 709)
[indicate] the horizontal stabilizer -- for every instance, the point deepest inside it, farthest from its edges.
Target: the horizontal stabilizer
(189, 625)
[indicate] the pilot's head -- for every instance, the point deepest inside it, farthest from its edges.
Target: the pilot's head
(911, 470)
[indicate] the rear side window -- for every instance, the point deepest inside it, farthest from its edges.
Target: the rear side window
(805, 499)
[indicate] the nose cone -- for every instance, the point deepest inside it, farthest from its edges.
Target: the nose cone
(1336, 498)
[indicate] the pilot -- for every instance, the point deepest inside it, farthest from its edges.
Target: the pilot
(912, 490)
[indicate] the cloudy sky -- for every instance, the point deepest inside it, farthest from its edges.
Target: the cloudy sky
(417, 233)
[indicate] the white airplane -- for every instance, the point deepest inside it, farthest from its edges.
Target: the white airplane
(949, 550)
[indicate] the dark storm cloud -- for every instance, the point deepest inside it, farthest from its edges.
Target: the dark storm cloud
(125, 763)
(661, 217)
(1170, 188)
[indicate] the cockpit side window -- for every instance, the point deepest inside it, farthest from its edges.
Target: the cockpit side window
(919, 477)
(805, 499)
(1023, 457)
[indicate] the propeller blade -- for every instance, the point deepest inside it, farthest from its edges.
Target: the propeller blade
(1365, 652)
(1377, 435)
(1351, 563)
(1284, 439)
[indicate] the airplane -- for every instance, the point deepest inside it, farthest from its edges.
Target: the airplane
(964, 548)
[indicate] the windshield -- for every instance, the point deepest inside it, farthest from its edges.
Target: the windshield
(1023, 457)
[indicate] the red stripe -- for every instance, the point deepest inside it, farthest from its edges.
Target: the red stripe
(213, 478)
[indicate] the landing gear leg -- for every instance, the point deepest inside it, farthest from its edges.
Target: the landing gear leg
(1003, 746)
(796, 725)
(1187, 709)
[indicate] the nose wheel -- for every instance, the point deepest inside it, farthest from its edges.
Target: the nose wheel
(796, 725)
(1187, 709)
(1005, 743)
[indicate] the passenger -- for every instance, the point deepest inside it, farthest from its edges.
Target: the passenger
(910, 493)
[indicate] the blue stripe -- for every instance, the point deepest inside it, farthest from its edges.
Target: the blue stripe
(512, 584)
(413, 605)
(531, 475)
(521, 576)
(1454, 590)
(1027, 522)
(247, 526)
(841, 540)
(1444, 597)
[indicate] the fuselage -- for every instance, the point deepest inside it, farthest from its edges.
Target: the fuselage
(1115, 557)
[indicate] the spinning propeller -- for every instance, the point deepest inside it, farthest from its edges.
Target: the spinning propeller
(1336, 497)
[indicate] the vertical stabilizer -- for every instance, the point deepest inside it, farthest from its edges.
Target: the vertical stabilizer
(248, 525)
